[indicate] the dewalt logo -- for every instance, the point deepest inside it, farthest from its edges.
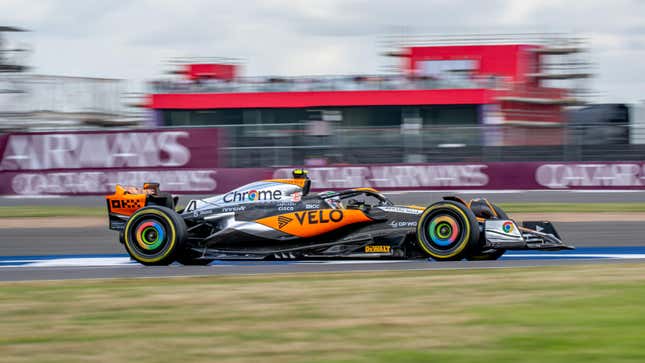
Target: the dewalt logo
(377, 249)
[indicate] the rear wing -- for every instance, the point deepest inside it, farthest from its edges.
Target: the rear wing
(126, 200)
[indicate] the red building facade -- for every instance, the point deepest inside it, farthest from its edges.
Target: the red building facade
(508, 84)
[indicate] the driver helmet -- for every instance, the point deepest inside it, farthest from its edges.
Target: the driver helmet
(300, 174)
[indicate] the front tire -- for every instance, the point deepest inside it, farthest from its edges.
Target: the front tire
(154, 235)
(448, 231)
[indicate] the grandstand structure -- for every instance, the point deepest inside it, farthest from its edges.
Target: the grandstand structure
(43, 102)
(530, 79)
(457, 92)
(10, 58)
(537, 74)
(11, 64)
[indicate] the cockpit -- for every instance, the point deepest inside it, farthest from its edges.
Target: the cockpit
(362, 198)
(359, 198)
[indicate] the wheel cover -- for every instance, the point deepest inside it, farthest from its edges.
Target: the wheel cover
(150, 235)
(444, 230)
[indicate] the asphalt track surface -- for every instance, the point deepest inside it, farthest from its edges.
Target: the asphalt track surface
(72, 253)
(119, 266)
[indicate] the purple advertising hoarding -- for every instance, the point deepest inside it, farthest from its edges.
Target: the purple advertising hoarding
(480, 176)
(93, 162)
(187, 161)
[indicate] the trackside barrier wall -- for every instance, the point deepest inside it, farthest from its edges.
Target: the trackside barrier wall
(186, 161)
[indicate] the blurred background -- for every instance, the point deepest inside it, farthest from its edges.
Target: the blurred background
(535, 104)
(421, 95)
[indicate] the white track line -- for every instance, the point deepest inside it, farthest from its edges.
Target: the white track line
(125, 261)
(625, 256)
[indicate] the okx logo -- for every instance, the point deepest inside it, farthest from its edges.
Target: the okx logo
(125, 204)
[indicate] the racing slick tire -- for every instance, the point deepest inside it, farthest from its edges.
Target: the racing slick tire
(155, 235)
(448, 231)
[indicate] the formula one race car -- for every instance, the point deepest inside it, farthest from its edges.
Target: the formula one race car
(280, 219)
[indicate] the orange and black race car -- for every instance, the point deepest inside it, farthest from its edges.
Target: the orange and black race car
(280, 219)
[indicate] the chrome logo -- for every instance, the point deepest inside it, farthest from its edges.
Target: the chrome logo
(444, 230)
(252, 196)
(507, 227)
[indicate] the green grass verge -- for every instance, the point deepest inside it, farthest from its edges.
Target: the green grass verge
(73, 211)
(560, 314)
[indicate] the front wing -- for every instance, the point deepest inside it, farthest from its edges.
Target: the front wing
(505, 234)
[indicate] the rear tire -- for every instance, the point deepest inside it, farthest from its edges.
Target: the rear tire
(155, 235)
(448, 231)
